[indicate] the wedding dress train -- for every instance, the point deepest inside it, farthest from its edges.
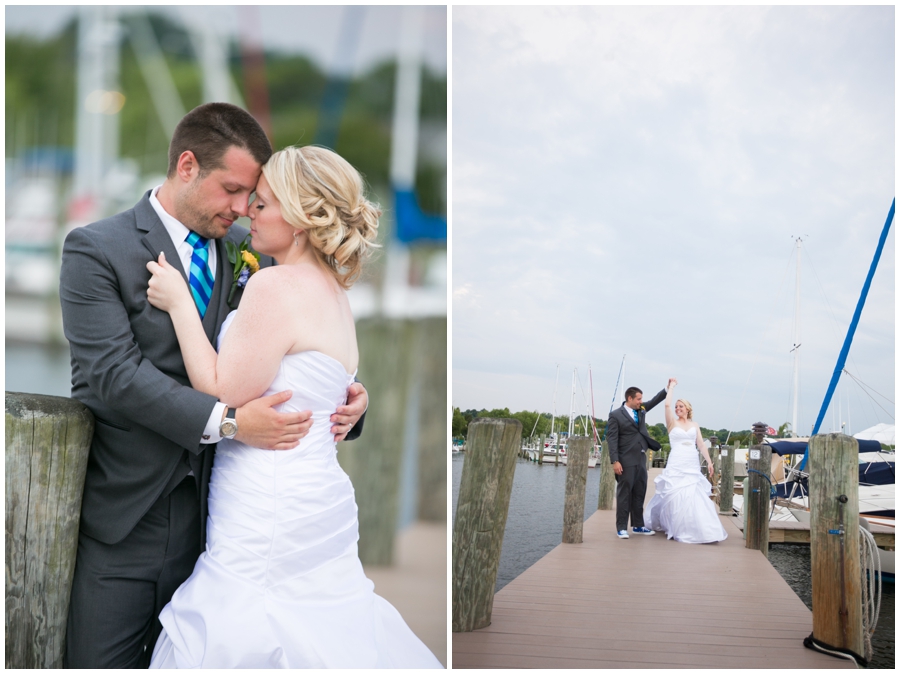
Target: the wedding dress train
(280, 584)
(681, 506)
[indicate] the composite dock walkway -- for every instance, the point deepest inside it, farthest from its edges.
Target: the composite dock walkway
(645, 602)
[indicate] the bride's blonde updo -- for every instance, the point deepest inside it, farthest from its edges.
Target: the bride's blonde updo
(687, 406)
(322, 194)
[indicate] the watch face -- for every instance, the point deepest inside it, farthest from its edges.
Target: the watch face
(228, 428)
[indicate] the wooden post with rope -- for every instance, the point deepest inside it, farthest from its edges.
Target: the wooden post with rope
(726, 490)
(834, 542)
(756, 496)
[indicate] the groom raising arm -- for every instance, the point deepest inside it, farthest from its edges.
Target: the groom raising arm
(628, 440)
(143, 520)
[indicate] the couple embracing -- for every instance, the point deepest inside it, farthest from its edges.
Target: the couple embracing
(681, 506)
(217, 528)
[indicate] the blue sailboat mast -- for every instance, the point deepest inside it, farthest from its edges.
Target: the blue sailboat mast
(845, 349)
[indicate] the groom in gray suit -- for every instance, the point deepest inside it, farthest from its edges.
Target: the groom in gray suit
(143, 518)
(628, 441)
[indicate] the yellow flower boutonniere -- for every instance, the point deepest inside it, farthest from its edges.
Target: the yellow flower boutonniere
(245, 263)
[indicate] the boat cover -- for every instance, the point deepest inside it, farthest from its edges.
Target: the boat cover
(782, 447)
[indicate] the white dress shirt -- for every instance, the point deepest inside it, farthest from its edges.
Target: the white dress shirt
(179, 233)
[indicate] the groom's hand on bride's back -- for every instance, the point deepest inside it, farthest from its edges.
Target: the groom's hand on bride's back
(261, 425)
(346, 416)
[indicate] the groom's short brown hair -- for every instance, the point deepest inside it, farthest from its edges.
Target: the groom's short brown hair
(632, 391)
(210, 130)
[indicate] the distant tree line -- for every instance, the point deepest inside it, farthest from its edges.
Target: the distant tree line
(538, 424)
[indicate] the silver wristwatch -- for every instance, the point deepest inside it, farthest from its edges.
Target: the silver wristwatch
(228, 428)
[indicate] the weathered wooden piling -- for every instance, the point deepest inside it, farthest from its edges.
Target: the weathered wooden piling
(726, 491)
(47, 444)
(834, 541)
(373, 462)
(432, 496)
(607, 497)
(757, 494)
(481, 511)
(540, 454)
(576, 483)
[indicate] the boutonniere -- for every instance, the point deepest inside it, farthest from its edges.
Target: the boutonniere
(643, 409)
(245, 263)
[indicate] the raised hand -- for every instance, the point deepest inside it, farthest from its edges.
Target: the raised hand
(167, 289)
(672, 382)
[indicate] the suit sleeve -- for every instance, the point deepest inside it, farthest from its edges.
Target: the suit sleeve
(102, 342)
(657, 399)
(612, 438)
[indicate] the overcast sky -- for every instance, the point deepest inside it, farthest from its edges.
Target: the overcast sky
(312, 30)
(632, 181)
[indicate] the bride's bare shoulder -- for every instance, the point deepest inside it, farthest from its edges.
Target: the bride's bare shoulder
(289, 283)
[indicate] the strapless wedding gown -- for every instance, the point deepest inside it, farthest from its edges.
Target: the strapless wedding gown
(280, 584)
(681, 506)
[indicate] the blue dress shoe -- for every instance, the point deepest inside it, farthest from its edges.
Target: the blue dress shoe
(622, 533)
(643, 530)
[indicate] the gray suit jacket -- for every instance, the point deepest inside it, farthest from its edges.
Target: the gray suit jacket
(127, 369)
(628, 441)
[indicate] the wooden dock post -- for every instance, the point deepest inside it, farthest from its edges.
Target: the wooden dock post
(540, 455)
(607, 497)
(481, 511)
(374, 461)
(726, 491)
(576, 483)
(834, 541)
(432, 492)
(757, 494)
(47, 443)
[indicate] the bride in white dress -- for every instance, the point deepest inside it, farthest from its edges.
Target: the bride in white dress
(681, 506)
(280, 583)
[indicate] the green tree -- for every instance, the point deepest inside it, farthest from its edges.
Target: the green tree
(459, 425)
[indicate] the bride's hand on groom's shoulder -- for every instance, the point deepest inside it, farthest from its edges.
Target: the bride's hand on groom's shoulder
(166, 289)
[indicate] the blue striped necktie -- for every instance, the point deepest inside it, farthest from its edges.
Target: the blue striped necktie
(201, 279)
(636, 420)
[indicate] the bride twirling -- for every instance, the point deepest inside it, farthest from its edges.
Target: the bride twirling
(681, 506)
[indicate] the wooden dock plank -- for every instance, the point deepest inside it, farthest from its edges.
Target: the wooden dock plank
(645, 602)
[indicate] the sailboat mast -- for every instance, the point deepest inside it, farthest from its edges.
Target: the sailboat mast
(553, 418)
(796, 345)
(572, 406)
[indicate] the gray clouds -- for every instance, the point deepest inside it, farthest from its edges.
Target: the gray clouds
(630, 180)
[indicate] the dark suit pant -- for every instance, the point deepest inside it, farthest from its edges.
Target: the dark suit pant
(119, 590)
(631, 487)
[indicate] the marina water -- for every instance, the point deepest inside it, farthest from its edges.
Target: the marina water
(535, 522)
